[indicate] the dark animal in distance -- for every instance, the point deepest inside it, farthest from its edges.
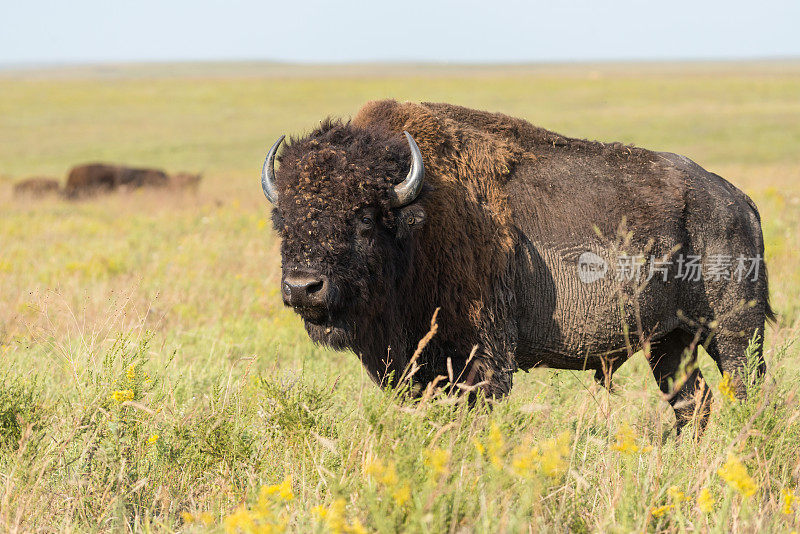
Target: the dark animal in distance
(185, 180)
(36, 187)
(486, 218)
(93, 178)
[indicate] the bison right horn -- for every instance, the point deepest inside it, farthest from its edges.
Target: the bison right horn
(410, 188)
(268, 173)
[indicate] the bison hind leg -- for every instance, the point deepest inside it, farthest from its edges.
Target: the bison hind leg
(737, 357)
(673, 360)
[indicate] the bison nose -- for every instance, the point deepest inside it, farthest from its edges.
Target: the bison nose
(304, 290)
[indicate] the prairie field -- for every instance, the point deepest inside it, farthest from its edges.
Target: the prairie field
(152, 381)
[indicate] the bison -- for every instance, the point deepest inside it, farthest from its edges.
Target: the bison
(185, 180)
(537, 249)
(93, 178)
(36, 187)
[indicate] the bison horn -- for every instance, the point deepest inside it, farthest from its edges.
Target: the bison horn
(268, 173)
(410, 188)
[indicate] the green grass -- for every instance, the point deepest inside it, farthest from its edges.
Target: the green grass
(172, 300)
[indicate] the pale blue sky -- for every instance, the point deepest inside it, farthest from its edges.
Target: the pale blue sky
(38, 31)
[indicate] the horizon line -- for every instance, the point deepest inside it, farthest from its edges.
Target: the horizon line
(56, 64)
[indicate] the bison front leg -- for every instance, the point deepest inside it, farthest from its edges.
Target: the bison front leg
(492, 377)
(673, 360)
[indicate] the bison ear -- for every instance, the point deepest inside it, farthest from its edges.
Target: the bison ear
(411, 218)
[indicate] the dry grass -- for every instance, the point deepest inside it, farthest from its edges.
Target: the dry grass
(152, 380)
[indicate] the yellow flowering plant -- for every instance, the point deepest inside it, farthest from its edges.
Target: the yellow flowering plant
(626, 441)
(726, 387)
(268, 515)
(788, 501)
(661, 510)
(438, 463)
(385, 474)
(705, 501)
(121, 396)
(735, 474)
(334, 518)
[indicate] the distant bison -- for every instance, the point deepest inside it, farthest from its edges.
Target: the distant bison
(538, 249)
(96, 178)
(185, 180)
(135, 178)
(36, 187)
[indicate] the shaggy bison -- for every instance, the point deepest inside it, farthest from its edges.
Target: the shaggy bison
(93, 178)
(36, 187)
(538, 250)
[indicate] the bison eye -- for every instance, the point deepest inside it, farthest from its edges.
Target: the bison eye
(367, 221)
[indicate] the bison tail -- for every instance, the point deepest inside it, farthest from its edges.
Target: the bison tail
(770, 313)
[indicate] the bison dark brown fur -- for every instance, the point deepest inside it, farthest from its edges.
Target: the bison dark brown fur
(90, 179)
(494, 241)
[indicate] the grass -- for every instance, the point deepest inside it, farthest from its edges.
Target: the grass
(150, 379)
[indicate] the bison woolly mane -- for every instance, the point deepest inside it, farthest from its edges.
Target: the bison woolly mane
(467, 239)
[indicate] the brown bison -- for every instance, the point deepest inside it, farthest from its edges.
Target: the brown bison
(185, 180)
(36, 187)
(93, 178)
(538, 250)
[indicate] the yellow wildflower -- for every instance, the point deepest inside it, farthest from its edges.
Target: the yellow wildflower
(479, 446)
(676, 495)
(555, 453)
(206, 518)
(356, 527)
(526, 461)
(438, 461)
(130, 373)
(402, 495)
(495, 445)
(334, 517)
(788, 501)
(282, 490)
(121, 396)
(705, 501)
(726, 388)
(239, 520)
(259, 520)
(187, 518)
(373, 467)
(389, 477)
(661, 510)
(152, 439)
(626, 441)
(386, 476)
(737, 477)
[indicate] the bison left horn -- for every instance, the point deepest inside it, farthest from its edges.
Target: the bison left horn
(409, 189)
(268, 173)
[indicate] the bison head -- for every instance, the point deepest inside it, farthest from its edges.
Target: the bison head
(345, 206)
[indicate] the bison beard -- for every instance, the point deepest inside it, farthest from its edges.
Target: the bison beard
(488, 242)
